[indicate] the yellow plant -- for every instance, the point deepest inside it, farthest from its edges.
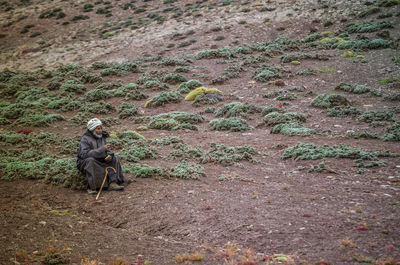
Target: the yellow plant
(348, 54)
(201, 90)
(148, 102)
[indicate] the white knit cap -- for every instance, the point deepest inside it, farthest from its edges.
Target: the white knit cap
(93, 123)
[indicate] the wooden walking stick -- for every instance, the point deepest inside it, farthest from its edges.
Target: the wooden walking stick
(104, 180)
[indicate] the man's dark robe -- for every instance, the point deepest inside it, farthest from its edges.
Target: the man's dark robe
(91, 161)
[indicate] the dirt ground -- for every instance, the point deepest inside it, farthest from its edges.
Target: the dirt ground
(272, 206)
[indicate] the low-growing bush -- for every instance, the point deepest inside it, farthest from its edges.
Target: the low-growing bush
(164, 98)
(329, 101)
(175, 121)
(274, 118)
(392, 132)
(227, 156)
(187, 171)
(237, 109)
(230, 124)
(303, 151)
(143, 171)
(371, 116)
(292, 129)
(126, 110)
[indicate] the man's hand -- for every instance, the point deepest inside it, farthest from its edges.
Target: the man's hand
(106, 147)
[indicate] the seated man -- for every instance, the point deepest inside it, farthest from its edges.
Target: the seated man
(95, 157)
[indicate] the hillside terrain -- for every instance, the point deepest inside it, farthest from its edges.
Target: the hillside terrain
(250, 132)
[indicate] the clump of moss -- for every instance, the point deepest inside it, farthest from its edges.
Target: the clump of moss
(303, 151)
(291, 129)
(143, 171)
(163, 98)
(329, 101)
(187, 171)
(227, 156)
(274, 118)
(392, 132)
(175, 121)
(230, 124)
(372, 116)
(126, 110)
(237, 109)
(202, 90)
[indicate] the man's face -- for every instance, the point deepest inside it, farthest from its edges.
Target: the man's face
(98, 130)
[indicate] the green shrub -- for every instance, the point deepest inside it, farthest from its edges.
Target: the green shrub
(371, 116)
(339, 111)
(265, 74)
(175, 121)
(4, 121)
(392, 132)
(186, 87)
(236, 109)
(40, 120)
(270, 109)
(362, 27)
(73, 86)
(329, 101)
(164, 98)
(174, 78)
(143, 171)
(227, 156)
(363, 134)
(370, 11)
(281, 95)
(97, 108)
(187, 171)
(126, 110)
(64, 104)
(303, 151)
(230, 124)
(274, 118)
(136, 153)
(291, 129)
(388, 3)
(96, 94)
(184, 152)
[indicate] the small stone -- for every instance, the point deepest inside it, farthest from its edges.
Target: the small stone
(42, 222)
(190, 191)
